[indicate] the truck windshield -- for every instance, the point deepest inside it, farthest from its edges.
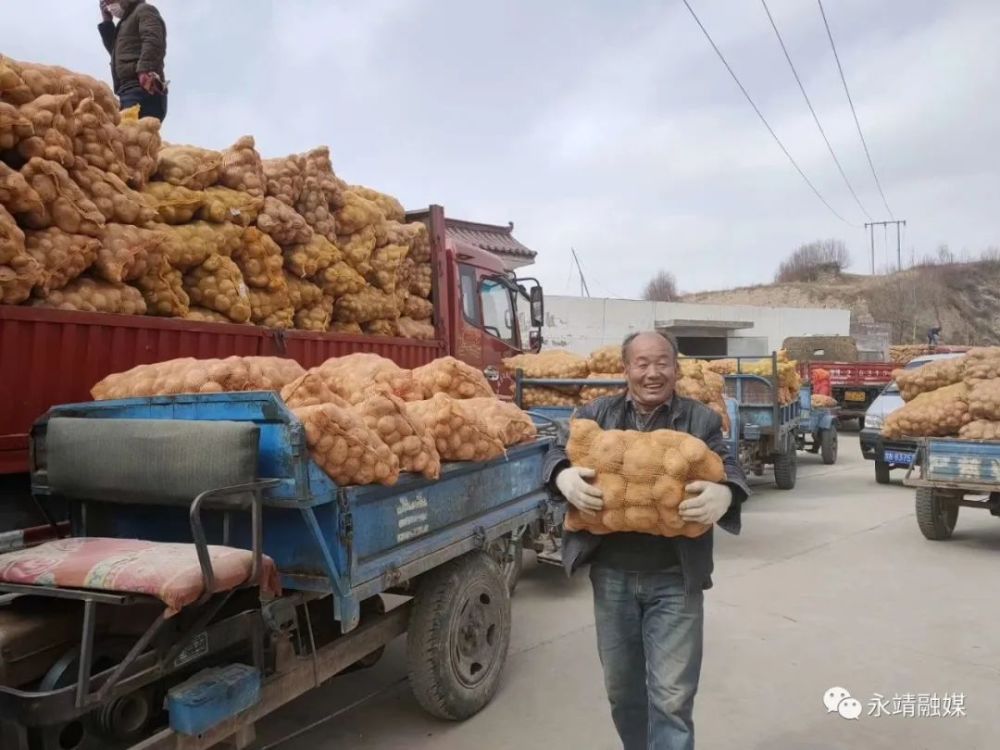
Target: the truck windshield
(498, 313)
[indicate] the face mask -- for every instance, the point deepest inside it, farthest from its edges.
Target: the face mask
(114, 9)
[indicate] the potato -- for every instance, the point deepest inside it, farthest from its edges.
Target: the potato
(309, 389)
(284, 178)
(190, 245)
(141, 143)
(271, 308)
(357, 248)
(511, 425)
(21, 82)
(217, 285)
(259, 259)
(174, 204)
(63, 257)
(589, 393)
(385, 262)
(221, 204)
(124, 252)
(357, 213)
(535, 396)
(64, 204)
(204, 315)
(406, 435)
(340, 280)
(415, 329)
(302, 293)
(350, 329)
(14, 127)
(554, 363)
(421, 281)
(114, 199)
(98, 140)
(929, 377)
(460, 434)
(936, 413)
(350, 377)
(306, 259)
(17, 277)
(12, 243)
(823, 402)
(313, 205)
(315, 317)
(642, 475)
(90, 295)
(981, 429)
(420, 245)
(54, 124)
(242, 169)
(386, 328)
(189, 166)
(984, 400)
(723, 366)
(285, 226)
(365, 307)
(162, 287)
(389, 207)
(982, 363)
(606, 359)
(453, 378)
(345, 448)
(16, 195)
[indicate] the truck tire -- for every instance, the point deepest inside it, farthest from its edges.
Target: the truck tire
(936, 516)
(508, 552)
(458, 637)
(785, 470)
(882, 472)
(829, 445)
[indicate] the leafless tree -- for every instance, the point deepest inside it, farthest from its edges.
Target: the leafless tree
(661, 288)
(811, 261)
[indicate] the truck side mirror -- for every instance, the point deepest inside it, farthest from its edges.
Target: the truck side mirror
(537, 298)
(535, 340)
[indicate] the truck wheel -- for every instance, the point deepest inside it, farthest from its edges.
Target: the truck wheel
(458, 637)
(828, 446)
(882, 473)
(936, 515)
(508, 553)
(785, 470)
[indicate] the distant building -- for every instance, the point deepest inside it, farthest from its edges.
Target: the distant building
(494, 238)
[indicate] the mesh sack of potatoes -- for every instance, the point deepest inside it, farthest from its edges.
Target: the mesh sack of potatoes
(460, 433)
(357, 248)
(218, 285)
(91, 295)
(98, 140)
(54, 125)
(722, 366)
(190, 245)
(554, 363)
(14, 127)
(141, 143)
(315, 317)
(189, 375)
(365, 306)
(350, 329)
(823, 402)
(222, 204)
(204, 315)
(535, 396)
(306, 259)
(18, 276)
(452, 377)
(340, 280)
(421, 283)
(415, 329)
(385, 262)
(313, 205)
(309, 389)
(302, 293)
(282, 223)
(162, 287)
(284, 178)
(606, 359)
(589, 393)
(420, 245)
(386, 327)
(390, 208)
(642, 476)
(259, 259)
(113, 198)
(719, 407)
(16, 195)
(508, 423)
(715, 385)
(345, 448)
(984, 400)
(63, 257)
(936, 413)
(31, 80)
(124, 251)
(242, 168)
(982, 363)
(271, 308)
(350, 376)
(11, 237)
(64, 204)
(929, 377)
(406, 435)
(980, 429)
(357, 213)
(174, 204)
(189, 166)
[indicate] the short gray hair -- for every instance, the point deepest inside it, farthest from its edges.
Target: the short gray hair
(633, 336)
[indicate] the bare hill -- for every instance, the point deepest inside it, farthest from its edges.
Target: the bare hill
(963, 297)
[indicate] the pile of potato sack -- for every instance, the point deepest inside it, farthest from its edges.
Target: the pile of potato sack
(366, 419)
(957, 397)
(98, 215)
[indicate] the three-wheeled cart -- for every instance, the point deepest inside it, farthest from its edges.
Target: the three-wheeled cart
(817, 432)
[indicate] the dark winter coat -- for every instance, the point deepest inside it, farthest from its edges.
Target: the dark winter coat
(137, 43)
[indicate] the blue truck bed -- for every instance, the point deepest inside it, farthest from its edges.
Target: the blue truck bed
(958, 464)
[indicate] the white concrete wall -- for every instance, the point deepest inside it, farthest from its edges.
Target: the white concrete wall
(581, 324)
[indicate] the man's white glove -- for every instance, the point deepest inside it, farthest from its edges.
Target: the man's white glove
(573, 485)
(709, 504)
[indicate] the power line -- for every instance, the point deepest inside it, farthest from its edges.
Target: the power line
(761, 116)
(850, 101)
(815, 117)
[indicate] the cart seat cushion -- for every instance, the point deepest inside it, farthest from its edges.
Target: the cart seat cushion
(170, 572)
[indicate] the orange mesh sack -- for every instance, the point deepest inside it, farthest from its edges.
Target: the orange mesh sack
(141, 143)
(405, 434)
(421, 282)
(309, 389)
(390, 207)
(551, 364)
(14, 127)
(190, 245)
(242, 169)
(385, 263)
(352, 376)
(260, 261)
(453, 378)
(589, 393)
(357, 213)
(17, 278)
(642, 475)
(984, 400)
(460, 433)
(981, 429)
(190, 375)
(511, 425)
(937, 413)
(53, 124)
(217, 285)
(606, 359)
(174, 204)
(535, 397)
(306, 259)
(722, 366)
(357, 248)
(381, 328)
(63, 257)
(16, 195)
(340, 280)
(415, 329)
(352, 329)
(271, 309)
(11, 237)
(284, 178)
(189, 166)
(162, 287)
(365, 306)
(314, 207)
(90, 295)
(64, 204)
(929, 377)
(223, 204)
(124, 252)
(982, 363)
(315, 317)
(204, 315)
(285, 226)
(113, 198)
(98, 139)
(344, 447)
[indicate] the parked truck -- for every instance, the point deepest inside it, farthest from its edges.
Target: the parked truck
(854, 385)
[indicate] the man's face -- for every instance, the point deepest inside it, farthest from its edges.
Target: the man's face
(651, 370)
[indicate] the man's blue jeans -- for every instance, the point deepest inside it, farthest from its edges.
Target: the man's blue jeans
(650, 640)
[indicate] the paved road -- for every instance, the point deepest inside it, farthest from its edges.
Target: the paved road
(830, 584)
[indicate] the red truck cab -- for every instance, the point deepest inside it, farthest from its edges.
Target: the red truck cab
(854, 385)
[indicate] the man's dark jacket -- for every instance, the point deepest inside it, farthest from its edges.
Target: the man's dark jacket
(138, 44)
(683, 415)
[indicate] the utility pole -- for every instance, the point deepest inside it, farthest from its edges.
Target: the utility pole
(899, 252)
(584, 289)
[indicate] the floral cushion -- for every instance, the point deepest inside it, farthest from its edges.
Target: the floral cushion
(169, 572)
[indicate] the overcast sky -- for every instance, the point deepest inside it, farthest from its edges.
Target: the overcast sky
(610, 127)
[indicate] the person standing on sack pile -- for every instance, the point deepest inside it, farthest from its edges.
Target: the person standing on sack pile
(648, 589)
(138, 46)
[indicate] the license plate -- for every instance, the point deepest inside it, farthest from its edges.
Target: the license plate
(898, 457)
(855, 396)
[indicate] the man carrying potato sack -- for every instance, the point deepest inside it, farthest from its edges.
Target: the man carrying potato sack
(648, 589)
(138, 46)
